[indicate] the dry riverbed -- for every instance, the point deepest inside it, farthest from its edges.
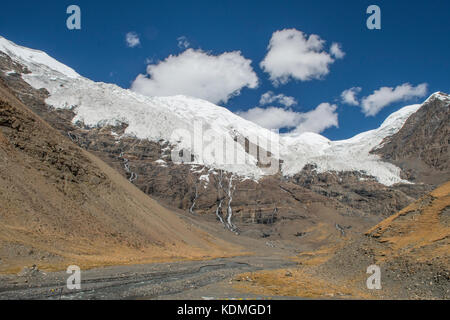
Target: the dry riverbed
(210, 279)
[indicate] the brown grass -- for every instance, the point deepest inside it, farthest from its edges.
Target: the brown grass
(419, 232)
(419, 229)
(295, 283)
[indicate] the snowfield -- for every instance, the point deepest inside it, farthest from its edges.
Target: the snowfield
(347, 155)
(191, 124)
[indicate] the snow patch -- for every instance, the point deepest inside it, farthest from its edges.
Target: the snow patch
(35, 58)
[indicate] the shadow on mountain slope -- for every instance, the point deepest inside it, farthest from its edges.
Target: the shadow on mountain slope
(61, 205)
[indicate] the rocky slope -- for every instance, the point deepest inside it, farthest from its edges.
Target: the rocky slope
(60, 205)
(421, 147)
(412, 249)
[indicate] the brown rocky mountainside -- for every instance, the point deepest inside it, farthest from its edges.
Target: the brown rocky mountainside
(60, 205)
(412, 249)
(422, 146)
(420, 231)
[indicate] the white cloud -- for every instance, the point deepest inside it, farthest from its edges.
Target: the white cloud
(272, 117)
(317, 120)
(199, 74)
(270, 97)
(183, 42)
(132, 39)
(384, 96)
(349, 96)
(292, 54)
(336, 51)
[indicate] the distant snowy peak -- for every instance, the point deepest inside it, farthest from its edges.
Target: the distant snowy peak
(34, 58)
(179, 119)
(347, 155)
(439, 96)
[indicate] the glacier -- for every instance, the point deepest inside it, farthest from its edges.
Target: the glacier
(97, 104)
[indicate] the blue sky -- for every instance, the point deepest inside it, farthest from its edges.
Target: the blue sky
(411, 47)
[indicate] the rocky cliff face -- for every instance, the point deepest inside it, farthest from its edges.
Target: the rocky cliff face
(421, 147)
(360, 192)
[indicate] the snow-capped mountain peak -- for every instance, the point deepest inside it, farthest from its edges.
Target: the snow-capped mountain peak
(35, 58)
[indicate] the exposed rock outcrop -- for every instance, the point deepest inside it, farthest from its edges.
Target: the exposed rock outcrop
(421, 147)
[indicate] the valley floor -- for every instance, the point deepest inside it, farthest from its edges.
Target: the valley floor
(178, 280)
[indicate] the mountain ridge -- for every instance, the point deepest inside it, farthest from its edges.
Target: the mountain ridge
(421, 147)
(115, 106)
